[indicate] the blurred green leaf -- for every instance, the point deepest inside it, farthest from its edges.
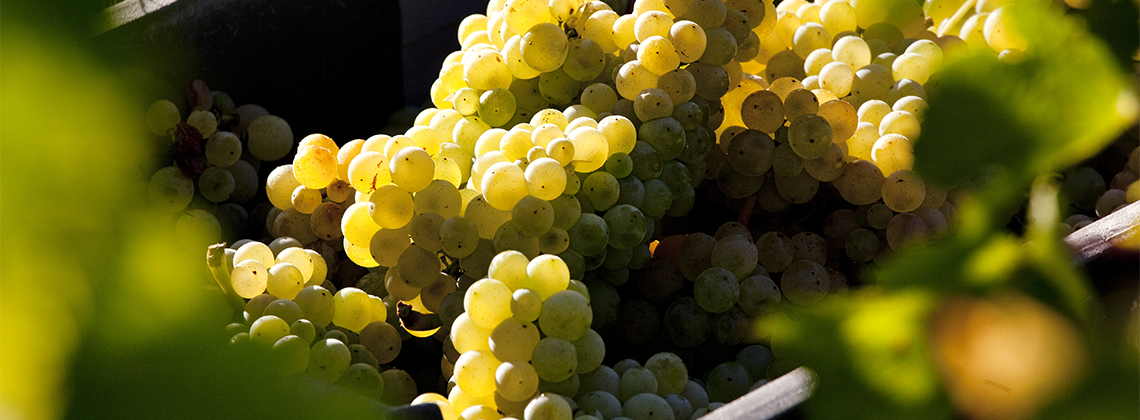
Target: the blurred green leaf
(1060, 105)
(870, 350)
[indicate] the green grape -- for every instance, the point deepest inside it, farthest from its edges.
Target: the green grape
(508, 237)
(619, 165)
(589, 235)
(517, 381)
(554, 241)
(736, 253)
(162, 116)
(873, 111)
(872, 81)
(533, 216)
(647, 406)
(720, 47)
(364, 379)
(712, 80)
(565, 314)
(837, 77)
(912, 104)
(269, 138)
(903, 191)
(809, 136)
(475, 373)
(665, 135)
(503, 185)
(290, 354)
(249, 278)
(567, 210)
(267, 329)
(439, 197)
(599, 28)
(838, 18)
(706, 13)
(621, 135)
(487, 70)
(911, 66)
(328, 360)
(545, 179)
(418, 266)
(459, 236)
(467, 336)
(727, 382)
(861, 245)
(399, 387)
(591, 148)
(637, 380)
(828, 167)
(631, 191)
(557, 87)
(546, 275)
(893, 152)
(647, 160)
(548, 406)
(599, 401)
(317, 304)
(657, 54)
(815, 61)
(513, 340)
(496, 106)
(394, 207)
(352, 309)
(688, 39)
(670, 371)
(651, 104)
(412, 169)
(751, 152)
(223, 149)
(554, 359)
(514, 144)
(903, 88)
(716, 290)
(544, 46)
(633, 77)
(681, 86)
(626, 226)
(675, 175)
(658, 198)
(584, 61)
(902, 123)
(599, 97)
(804, 282)
(602, 189)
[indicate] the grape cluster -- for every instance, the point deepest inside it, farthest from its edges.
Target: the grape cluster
(214, 156)
(298, 322)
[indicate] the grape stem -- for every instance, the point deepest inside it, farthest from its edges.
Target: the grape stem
(958, 15)
(216, 260)
(416, 321)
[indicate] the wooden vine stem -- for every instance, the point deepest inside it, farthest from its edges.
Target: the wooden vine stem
(1119, 231)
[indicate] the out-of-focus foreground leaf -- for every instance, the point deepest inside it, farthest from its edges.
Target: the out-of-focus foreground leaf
(1062, 104)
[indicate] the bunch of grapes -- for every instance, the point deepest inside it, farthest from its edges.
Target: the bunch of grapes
(518, 222)
(292, 318)
(214, 155)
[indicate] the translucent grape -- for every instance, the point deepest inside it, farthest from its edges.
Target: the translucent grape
(638, 381)
(893, 152)
(516, 381)
(903, 191)
(546, 275)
